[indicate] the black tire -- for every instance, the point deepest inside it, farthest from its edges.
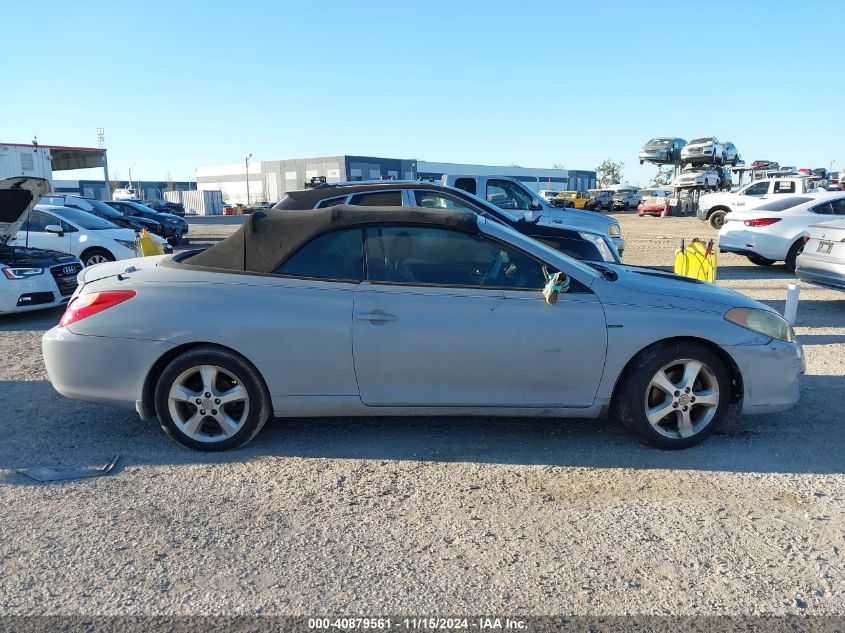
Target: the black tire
(95, 256)
(233, 366)
(717, 219)
(760, 261)
(793, 254)
(635, 394)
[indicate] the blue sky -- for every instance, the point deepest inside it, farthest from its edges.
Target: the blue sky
(177, 85)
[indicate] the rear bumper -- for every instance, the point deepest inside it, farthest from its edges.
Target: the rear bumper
(771, 375)
(754, 243)
(827, 273)
(99, 369)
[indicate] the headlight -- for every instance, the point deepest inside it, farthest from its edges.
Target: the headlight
(600, 244)
(126, 244)
(762, 322)
(613, 230)
(21, 273)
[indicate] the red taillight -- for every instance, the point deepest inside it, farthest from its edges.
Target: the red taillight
(761, 222)
(86, 305)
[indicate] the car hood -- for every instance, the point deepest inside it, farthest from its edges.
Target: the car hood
(658, 287)
(576, 217)
(17, 197)
(695, 145)
(38, 257)
(655, 148)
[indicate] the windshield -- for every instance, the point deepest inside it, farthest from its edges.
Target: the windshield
(83, 219)
(696, 141)
(782, 205)
(103, 208)
(660, 142)
(140, 207)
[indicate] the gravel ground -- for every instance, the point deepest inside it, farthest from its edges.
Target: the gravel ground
(432, 516)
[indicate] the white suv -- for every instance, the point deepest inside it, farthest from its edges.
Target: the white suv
(702, 151)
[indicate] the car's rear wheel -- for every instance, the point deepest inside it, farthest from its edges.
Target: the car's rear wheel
(96, 256)
(674, 395)
(793, 254)
(760, 261)
(717, 219)
(210, 399)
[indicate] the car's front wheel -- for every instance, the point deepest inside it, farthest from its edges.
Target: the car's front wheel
(674, 394)
(96, 256)
(717, 219)
(210, 399)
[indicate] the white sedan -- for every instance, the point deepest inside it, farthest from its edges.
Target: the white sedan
(775, 231)
(92, 239)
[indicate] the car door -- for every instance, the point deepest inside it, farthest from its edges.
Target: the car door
(446, 318)
(753, 195)
(33, 233)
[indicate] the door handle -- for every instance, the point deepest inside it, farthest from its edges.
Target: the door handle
(376, 317)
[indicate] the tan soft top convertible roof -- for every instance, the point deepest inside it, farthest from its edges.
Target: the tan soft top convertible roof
(268, 238)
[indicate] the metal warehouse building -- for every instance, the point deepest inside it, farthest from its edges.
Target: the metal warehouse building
(268, 180)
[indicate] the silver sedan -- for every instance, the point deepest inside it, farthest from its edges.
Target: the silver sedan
(362, 311)
(822, 260)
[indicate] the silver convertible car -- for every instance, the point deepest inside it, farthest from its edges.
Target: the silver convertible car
(365, 311)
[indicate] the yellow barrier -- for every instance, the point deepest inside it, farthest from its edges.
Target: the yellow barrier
(146, 245)
(697, 261)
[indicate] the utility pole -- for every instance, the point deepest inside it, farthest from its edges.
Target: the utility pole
(246, 165)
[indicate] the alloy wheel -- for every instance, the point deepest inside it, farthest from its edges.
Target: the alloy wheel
(96, 259)
(208, 403)
(682, 398)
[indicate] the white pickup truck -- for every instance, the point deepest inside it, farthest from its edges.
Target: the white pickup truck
(512, 196)
(713, 207)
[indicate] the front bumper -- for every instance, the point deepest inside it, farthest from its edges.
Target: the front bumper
(656, 155)
(771, 375)
(99, 369)
(36, 293)
(652, 208)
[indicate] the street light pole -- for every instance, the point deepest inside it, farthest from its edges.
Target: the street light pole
(246, 165)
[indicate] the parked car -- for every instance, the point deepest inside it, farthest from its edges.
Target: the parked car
(573, 199)
(698, 177)
(173, 228)
(822, 261)
(30, 278)
(600, 199)
(407, 311)
(663, 150)
(731, 154)
(578, 243)
(703, 151)
(90, 238)
(548, 194)
(165, 206)
(775, 231)
(626, 199)
(101, 209)
(518, 197)
(713, 207)
(654, 202)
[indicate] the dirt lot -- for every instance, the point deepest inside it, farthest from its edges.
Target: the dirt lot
(432, 516)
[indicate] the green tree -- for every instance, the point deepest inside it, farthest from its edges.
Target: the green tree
(609, 172)
(663, 177)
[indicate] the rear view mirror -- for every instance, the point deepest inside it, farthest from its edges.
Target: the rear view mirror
(54, 228)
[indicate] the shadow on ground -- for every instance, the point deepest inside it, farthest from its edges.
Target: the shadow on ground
(40, 428)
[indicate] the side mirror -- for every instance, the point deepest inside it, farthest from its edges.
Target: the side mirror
(535, 206)
(54, 228)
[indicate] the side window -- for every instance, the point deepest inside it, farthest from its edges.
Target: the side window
(442, 257)
(330, 202)
(378, 199)
(823, 209)
(838, 206)
(507, 195)
(784, 186)
(758, 189)
(37, 222)
(67, 228)
(337, 255)
(437, 200)
(466, 184)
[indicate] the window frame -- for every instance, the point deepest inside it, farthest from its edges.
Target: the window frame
(376, 192)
